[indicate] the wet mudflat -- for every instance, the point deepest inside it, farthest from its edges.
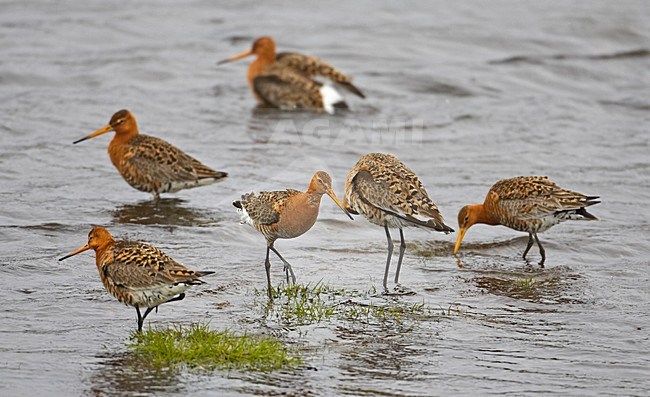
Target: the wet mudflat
(464, 94)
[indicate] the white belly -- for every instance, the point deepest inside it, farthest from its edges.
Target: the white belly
(152, 297)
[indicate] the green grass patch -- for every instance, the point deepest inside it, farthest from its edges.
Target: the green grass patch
(200, 347)
(525, 284)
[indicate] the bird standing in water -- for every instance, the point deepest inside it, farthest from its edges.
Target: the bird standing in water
(530, 204)
(286, 80)
(138, 274)
(150, 164)
(285, 214)
(389, 194)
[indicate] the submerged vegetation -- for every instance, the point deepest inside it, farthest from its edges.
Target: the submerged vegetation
(200, 347)
(298, 305)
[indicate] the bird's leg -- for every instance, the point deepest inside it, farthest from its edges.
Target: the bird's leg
(541, 251)
(267, 266)
(390, 254)
(530, 244)
(140, 319)
(287, 266)
(402, 248)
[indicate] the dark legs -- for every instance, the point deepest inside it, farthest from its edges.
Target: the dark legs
(533, 237)
(541, 250)
(141, 318)
(402, 248)
(287, 266)
(267, 266)
(530, 244)
(390, 254)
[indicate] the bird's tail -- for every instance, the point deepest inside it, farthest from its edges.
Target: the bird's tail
(586, 215)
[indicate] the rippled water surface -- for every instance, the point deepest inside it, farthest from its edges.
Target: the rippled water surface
(465, 94)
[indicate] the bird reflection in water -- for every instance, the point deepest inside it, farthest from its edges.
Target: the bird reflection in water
(166, 211)
(126, 374)
(554, 286)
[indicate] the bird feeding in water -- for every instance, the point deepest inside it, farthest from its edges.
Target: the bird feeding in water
(530, 204)
(285, 214)
(151, 164)
(286, 80)
(389, 194)
(138, 274)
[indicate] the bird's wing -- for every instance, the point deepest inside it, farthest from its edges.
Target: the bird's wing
(150, 157)
(266, 208)
(284, 88)
(312, 66)
(390, 186)
(532, 197)
(138, 265)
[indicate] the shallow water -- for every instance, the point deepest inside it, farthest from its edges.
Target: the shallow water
(465, 94)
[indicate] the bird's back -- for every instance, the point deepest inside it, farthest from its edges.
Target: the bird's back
(386, 191)
(139, 274)
(311, 66)
(535, 203)
(154, 165)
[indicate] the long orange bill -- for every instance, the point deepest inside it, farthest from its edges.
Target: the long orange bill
(236, 57)
(461, 234)
(75, 252)
(104, 130)
(330, 193)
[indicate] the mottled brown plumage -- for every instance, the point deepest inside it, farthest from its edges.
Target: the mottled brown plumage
(138, 274)
(150, 164)
(389, 194)
(530, 204)
(286, 80)
(284, 215)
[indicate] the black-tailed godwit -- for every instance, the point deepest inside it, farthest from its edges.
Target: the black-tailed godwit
(530, 204)
(286, 80)
(151, 164)
(285, 214)
(138, 274)
(389, 194)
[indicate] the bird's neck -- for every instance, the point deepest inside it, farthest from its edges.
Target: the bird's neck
(483, 216)
(313, 198)
(257, 66)
(117, 145)
(103, 253)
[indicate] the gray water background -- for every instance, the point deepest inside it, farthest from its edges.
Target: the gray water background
(465, 93)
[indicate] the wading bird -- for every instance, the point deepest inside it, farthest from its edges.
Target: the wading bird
(389, 194)
(285, 214)
(151, 164)
(530, 204)
(138, 274)
(286, 80)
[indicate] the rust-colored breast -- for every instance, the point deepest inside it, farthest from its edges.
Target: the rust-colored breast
(276, 214)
